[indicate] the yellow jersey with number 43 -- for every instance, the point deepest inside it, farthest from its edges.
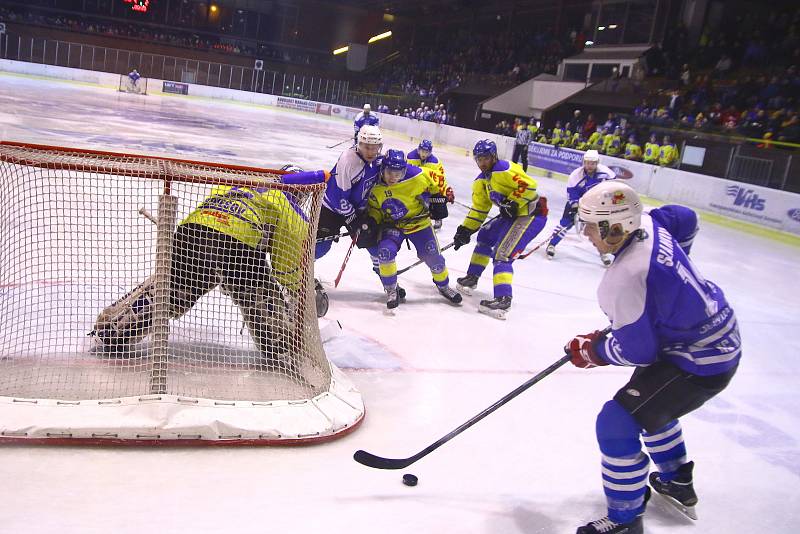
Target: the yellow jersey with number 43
(433, 166)
(404, 205)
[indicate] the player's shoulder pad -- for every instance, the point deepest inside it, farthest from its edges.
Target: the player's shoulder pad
(414, 154)
(432, 159)
(412, 171)
(501, 166)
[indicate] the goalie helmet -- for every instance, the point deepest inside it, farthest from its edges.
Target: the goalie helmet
(611, 202)
(370, 135)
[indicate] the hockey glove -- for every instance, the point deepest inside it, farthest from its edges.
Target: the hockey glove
(438, 207)
(462, 237)
(368, 235)
(353, 223)
(541, 207)
(582, 350)
(450, 195)
(508, 209)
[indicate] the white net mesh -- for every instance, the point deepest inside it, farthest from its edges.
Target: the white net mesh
(123, 276)
(128, 85)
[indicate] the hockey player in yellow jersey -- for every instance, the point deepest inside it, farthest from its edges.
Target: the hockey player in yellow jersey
(523, 214)
(423, 157)
(401, 206)
(247, 240)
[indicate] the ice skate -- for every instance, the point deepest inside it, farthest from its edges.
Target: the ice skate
(450, 294)
(679, 492)
(496, 307)
(467, 284)
(606, 526)
(392, 299)
(437, 224)
(550, 251)
(321, 298)
(606, 259)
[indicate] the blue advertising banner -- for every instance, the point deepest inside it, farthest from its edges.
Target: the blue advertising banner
(177, 88)
(561, 160)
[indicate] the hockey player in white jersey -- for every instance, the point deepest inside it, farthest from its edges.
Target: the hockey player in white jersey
(364, 118)
(678, 331)
(588, 175)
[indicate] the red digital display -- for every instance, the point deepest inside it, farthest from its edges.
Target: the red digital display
(138, 5)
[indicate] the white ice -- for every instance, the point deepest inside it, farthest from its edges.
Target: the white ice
(531, 467)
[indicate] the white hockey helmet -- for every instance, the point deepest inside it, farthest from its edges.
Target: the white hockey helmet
(609, 203)
(367, 107)
(591, 155)
(370, 135)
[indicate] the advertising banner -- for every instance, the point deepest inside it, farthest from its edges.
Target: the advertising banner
(176, 88)
(298, 104)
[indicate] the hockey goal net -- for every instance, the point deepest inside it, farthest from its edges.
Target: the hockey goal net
(153, 300)
(129, 85)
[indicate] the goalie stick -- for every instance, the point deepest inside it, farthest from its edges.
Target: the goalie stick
(378, 462)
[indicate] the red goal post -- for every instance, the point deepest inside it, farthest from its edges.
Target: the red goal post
(190, 343)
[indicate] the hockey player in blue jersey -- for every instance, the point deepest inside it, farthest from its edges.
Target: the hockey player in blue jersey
(591, 173)
(675, 327)
(364, 118)
(352, 178)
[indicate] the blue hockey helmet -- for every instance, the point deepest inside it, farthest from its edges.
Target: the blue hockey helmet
(291, 168)
(485, 147)
(394, 159)
(393, 166)
(426, 144)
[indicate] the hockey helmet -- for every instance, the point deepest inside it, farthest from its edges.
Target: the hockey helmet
(393, 166)
(611, 203)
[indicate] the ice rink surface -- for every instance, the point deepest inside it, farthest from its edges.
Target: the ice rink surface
(532, 467)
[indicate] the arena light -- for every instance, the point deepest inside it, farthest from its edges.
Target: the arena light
(601, 28)
(380, 36)
(341, 50)
(588, 43)
(213, 8)
(612, 26)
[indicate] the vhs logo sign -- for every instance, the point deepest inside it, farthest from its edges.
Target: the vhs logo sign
(746, 198)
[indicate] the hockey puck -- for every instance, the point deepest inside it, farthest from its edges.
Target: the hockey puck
(410, 480)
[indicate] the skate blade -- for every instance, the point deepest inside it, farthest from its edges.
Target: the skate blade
(497, 314)
(464, 290)
(688, 511)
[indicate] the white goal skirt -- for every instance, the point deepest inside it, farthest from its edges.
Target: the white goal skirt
(223, 348)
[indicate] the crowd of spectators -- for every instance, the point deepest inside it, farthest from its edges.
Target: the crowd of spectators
(163, 35)
(741, 78)
(502, 59)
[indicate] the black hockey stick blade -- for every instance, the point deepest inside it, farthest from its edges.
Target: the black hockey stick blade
(378, 462)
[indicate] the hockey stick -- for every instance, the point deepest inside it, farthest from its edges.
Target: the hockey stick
(341, 143)
(537, 247)
(344, 263)
(419, 262)
(146, 214)
(378, 462)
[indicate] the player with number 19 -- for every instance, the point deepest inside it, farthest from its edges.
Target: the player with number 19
(679, 332)
(401, 207)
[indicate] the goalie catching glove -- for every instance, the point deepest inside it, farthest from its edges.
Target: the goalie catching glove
(581, 350)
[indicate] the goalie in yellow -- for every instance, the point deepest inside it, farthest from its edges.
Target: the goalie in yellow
(401, 206)
(423, 157)
(249, 241)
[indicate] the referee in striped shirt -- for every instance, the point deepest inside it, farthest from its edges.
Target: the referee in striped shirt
(521, 145)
